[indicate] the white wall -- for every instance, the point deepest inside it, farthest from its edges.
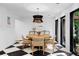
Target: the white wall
(67, 24)
(7, 32)
(21, 28)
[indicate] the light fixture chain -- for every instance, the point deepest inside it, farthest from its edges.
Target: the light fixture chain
(38, 10)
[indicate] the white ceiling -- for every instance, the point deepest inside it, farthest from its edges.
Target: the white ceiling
(27, 10)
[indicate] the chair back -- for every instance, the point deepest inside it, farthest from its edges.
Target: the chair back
(31, 32)
(38, 41)
(24, 41)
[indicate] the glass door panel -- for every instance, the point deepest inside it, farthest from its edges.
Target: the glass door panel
(76, 32)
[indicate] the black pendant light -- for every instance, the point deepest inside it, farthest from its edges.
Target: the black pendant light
(37, 18)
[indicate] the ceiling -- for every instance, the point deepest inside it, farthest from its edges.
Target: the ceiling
(25, 11)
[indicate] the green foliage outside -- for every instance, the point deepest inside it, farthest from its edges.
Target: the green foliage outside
(76, 25)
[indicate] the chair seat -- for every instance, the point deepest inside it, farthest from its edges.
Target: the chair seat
(37, 44)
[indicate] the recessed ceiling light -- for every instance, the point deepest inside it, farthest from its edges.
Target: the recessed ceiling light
(33, 7)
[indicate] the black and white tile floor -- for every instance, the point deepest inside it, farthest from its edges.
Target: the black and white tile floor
(17, 50)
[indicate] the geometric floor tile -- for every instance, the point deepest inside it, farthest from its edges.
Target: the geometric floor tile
(59, 54)
(4, 55)
(17, 53)
(21, 47)
(17, 45)
(50, 51)
(11, 49)
(73, 55)
(10, 46)
(50, 55)
(17, 49)
(40, 53)
(27, 55)
(2, 52)
(29, 50)
(62, 53)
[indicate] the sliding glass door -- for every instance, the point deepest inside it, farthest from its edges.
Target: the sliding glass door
(74, 32)
(56, 29)
(62, 31)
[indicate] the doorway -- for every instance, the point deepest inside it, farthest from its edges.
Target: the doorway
(74, 32)
(62, 31)
(56, 30)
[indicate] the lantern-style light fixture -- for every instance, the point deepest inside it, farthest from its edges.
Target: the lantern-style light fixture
(37, 18)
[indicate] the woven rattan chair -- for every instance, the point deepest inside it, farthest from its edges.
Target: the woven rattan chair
(38, 42)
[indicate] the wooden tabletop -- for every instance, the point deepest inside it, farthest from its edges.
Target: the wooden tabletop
(39, 36)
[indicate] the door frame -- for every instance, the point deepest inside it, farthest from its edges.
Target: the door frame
(56, 30)
(71, 31)
(61, 30)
